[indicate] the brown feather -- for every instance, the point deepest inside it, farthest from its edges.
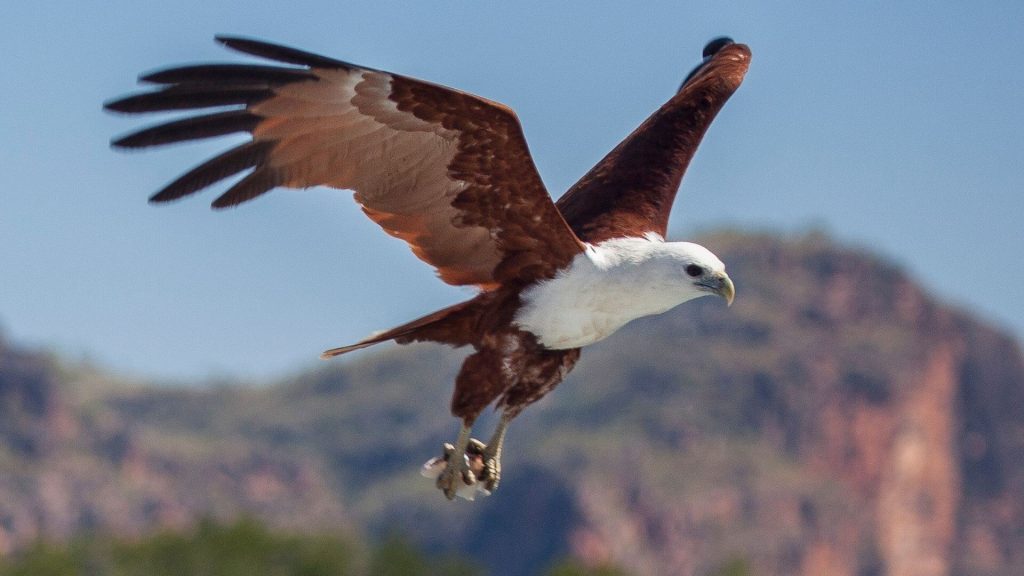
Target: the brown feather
(447, 172)
(540, 371)
(511, 367)
(451, 325)
(630, 192)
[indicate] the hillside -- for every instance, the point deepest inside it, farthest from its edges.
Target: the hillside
(836, 420)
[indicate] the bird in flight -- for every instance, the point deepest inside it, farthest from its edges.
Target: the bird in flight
(449, 173)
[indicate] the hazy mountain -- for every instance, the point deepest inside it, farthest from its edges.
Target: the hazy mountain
(836, 420)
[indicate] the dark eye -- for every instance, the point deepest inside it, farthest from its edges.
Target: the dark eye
(693, 270)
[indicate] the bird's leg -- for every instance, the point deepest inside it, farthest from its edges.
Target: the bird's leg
(457, 471)
(491, 473)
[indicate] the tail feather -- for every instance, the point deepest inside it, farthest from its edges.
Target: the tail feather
(440, 326)
(344, 349)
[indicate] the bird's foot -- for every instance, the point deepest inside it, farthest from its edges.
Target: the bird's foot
(457, 476)
(488, 465)
(478, 473)
(456, 479)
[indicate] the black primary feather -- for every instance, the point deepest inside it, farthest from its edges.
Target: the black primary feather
(710, 49)
(245, 74)
(214, 170)
(193, 128)
(260, 181)
(188, 97)
(282, 53)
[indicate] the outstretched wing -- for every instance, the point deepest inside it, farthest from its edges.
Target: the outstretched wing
(631, 190)
(446, 171)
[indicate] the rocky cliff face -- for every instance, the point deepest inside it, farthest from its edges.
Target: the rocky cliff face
(34, 420)
(836, 420)
(879, 444)
(78, 454)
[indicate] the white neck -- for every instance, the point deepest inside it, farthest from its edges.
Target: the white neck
(608, 285)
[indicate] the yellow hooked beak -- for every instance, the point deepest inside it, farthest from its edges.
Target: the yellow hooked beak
(726, 290)
(719, 284)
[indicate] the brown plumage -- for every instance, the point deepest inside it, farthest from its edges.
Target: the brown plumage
(446, 171)
(631, 190)
(450, 174)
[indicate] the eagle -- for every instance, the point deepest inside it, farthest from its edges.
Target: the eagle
(450, 173)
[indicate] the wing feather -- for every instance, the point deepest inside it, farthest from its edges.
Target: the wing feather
(631, 190)
(188, 97)
(447, 172)
(245, 74)
(193, 128)
(214, 170)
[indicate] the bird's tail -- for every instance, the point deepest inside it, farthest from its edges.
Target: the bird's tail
(447, 326)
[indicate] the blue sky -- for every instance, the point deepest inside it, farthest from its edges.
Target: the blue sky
(894, 126)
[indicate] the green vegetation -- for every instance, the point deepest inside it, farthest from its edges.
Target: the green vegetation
(244, 548)
(247, 548)
(397, 557)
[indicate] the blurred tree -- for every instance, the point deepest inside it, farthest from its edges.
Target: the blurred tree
(44, 559)
(396, 556)
(243, 548)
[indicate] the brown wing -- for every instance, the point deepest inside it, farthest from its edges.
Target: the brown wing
(446, 171)
(630, 192)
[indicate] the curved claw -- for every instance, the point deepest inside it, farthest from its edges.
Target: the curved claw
(455, 477)
(468, 466)
(492, 475)
(452, 480)
(486, 465)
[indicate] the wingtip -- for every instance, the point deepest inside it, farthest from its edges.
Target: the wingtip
(328, 354)
(156, 76)
(221, 204)
(119, 104)
(278, 52)
(716, 44)
(127, 142)
(244, 44)
(738, 53)
(164, 197)
(227, 39)
(236, 40)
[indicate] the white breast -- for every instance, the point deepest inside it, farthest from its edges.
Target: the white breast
(605, 287)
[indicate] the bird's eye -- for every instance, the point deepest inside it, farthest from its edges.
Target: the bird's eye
(693, 270)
